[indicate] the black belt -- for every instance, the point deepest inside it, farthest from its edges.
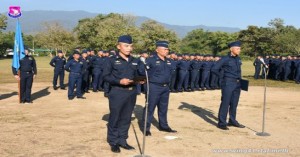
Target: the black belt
(232, 79)
(160, 84)
(75, 73)
(27, 72)
(124, 87)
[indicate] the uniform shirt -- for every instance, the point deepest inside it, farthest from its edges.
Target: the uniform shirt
(74, 66)
(86, 64)
(207, 65)
(27, 64)
(195, 65)
(184, 65)
(117, 68)
(98, 62)
(231, 66)
(159, 70)
(58, 62)
(257, 63)
(174, 64)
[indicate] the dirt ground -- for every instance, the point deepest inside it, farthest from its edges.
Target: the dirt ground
(55, 126)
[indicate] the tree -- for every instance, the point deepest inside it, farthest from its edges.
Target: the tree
(103, 30)
(55, 37)
(3, 22)
(196, 41)
(152, 32)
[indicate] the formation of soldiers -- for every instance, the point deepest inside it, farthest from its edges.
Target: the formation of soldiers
(190, 72)
(277, 67)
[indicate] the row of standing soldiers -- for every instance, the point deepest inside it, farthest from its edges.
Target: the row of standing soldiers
(190, 72)
(278, 68)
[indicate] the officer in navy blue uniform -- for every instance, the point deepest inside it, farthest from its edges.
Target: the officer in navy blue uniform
(214, 82)
(58, 62)
(28, 72)
(257, 64)
(91, 57)
(231, 87)
(85, 72)
(159, 70)
(287, 68)
(297, 65)
(174, 64)
(183, 74)
(120, 71)
(140, 88)
(75, 67)
(195, 72)
(98, 63)
(206, 68)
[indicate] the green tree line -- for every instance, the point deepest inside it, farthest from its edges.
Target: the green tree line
(102, 31)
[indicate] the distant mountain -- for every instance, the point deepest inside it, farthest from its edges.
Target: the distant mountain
(32, 22)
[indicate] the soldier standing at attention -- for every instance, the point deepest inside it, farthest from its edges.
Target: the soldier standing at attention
(257, 64)
(28, 72)
(160, 70)
(119, 72)
(231, 87)
(75, 67)
(58, 63)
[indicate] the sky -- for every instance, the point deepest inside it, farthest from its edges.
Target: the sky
(227, 13)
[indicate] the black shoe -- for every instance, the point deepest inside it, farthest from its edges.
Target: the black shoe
(63, 88)
(95, 91)
(106, 95)
(55, 88)
(223, 127)
(127, 147)
(87, 91)
(148, 133)
(115, 148)
(167, 130)
(236, 125)
(81, 97)
(71, 98)
(28, 102)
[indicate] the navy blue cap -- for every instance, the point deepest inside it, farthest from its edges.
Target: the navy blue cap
(162, 43)
(75, 52)
(125, 39)
(26, 48)
(172, 52)
(236, 43)
(59, 51)
(84, 51)
(179, 55)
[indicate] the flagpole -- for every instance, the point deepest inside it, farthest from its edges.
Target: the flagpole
(19, 74)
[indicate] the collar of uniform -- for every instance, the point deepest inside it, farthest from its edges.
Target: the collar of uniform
(229, 54)
(157, 58)
(118, 57)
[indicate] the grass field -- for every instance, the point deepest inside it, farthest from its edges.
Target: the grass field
(45, 74)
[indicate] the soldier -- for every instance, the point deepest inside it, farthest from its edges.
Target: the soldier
(257, 64)
(214, 78)
(28, 72)
(174, 64)
(98, 63)
(183, 75)
(206, 67)
(75, 67)
(287, 68)
(58, 62)
(159, 78)
(144, 55)
(231, 86)
(195, 72)
(297, 64)
(120, 71)
(85, 71)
